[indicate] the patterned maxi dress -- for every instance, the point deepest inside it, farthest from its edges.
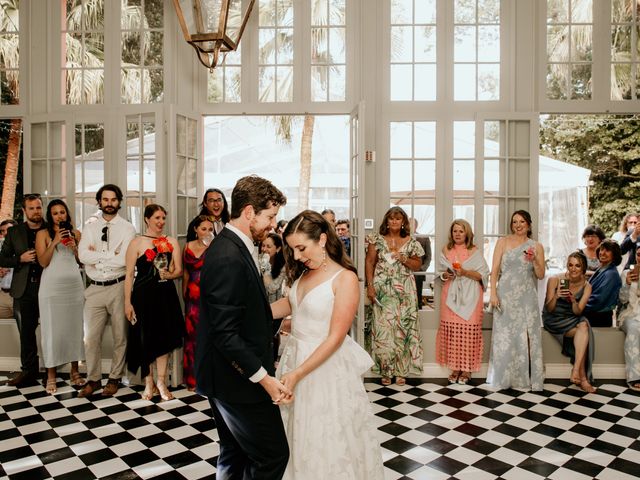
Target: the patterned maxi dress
(630, 325)
(516, 344)
(193, 265)
(459, 342)
(396, 342)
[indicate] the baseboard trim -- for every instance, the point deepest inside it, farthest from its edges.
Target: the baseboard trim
(430, 370)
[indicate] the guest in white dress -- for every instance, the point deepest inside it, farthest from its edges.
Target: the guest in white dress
(329, 424)
(60, 297)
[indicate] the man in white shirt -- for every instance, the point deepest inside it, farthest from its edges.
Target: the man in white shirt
(102, 250)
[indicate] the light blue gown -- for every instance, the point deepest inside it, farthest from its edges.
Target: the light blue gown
(516, 343)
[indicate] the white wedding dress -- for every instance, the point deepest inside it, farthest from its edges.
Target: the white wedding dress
(329, 425)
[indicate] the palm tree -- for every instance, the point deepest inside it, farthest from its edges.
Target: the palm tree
(84, 70)
(283, 88)
(9, 59)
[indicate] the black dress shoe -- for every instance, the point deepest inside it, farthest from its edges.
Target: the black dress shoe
(23, 379)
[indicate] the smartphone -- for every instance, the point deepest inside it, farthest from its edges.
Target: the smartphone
(66, 225)
(632, 267)
(564, 283)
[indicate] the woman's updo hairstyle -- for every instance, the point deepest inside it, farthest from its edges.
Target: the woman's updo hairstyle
(312, 224)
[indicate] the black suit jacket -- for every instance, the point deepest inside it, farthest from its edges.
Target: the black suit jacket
(15, 244)
(234, 335)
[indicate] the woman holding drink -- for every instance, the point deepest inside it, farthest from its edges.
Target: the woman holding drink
(566, 298)
(151, 302)
(516, 343)
(60, 297)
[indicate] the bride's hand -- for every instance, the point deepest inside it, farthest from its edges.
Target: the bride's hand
(290, 380)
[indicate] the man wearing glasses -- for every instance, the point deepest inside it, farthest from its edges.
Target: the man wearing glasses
(214, 204)
(18, 252)
(102, 250)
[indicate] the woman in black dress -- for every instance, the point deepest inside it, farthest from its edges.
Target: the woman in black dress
(151, 302)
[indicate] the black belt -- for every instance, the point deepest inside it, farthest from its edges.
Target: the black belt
(108, 282)
(6, 290)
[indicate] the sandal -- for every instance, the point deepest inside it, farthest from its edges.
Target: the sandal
(150, 391)
(587, 387)
(453, 378)
(51, 386)
(386, 381)
(77, 379)
(165, 394)
(464, 378)
(401, 381)
(635, 386)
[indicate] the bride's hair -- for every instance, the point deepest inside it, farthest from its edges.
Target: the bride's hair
(312, 224)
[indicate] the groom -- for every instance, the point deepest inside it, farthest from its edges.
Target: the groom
(234, 347)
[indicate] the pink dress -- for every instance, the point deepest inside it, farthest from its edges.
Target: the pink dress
(459, 341)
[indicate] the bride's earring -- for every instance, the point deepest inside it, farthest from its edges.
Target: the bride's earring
(324, 259)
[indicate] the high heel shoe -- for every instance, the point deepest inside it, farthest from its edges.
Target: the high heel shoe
(165, 394)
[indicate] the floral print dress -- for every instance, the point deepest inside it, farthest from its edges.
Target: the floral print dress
(396, 343)
(193, 265)
(516, 343)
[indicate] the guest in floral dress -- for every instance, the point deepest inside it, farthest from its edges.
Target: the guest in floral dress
(629, 321)
(464, 273)
(516, 342)
(193, 259)
(392, 256)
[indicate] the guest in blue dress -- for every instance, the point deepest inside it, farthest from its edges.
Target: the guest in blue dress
(605, 285)
(516, 343)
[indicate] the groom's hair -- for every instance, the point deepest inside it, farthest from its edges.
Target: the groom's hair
(256, 191)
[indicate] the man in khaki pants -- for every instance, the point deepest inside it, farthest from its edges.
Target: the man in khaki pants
(102, 250)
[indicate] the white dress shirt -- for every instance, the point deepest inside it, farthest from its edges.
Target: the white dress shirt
(106, 260)
(248, 242)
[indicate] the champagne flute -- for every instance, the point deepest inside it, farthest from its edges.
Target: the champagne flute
(207, 239)
(160, 262)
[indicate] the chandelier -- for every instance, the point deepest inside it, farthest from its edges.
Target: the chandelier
(213, 26)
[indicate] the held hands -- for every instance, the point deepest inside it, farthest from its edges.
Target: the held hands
(279, 393)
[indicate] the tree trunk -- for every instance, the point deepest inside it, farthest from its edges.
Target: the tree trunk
(11, 170)
(305, 162)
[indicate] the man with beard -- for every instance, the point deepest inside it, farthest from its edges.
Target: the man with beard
(102, 250)
(214, 204)
(18, 252)
(234, 348)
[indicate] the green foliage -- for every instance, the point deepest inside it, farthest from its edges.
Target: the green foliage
(607, 145)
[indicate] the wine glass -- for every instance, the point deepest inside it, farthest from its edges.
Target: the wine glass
(160, 262)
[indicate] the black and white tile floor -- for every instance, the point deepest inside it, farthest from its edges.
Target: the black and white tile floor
(427, 429)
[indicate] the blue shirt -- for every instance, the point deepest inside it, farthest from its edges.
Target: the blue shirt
(605, 286)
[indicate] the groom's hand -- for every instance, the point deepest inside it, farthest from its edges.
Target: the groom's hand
(276, 390)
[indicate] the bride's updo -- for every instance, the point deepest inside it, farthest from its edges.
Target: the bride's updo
(312, 224)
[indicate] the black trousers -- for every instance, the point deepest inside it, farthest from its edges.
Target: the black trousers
(26, 312)
(253, 444)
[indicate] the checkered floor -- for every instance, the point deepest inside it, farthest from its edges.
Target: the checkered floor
(428, 430)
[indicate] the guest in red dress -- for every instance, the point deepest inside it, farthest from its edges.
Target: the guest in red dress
(193, 259)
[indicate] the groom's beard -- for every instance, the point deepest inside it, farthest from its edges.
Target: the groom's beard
(259, 235)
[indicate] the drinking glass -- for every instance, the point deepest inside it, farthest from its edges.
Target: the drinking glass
(160, 262)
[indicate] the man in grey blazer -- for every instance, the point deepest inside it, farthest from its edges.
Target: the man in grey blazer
(18, 252)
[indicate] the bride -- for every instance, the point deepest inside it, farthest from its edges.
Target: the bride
(329, 424)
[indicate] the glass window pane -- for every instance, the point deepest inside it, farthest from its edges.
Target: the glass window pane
(425, 178)
(464, 82)
(488, 11)
(319, 83)
(493, 173)
(425, 44)
(489, 38)
(581, 48)
(401, 82)
(425, 82)
(337, 45)
(464, 139)
(93, 176)
(581, 82)
(581, 11)
(401, 11)
(463, 177)
(149, 176)
(400, 139)
(133, 176)
(39, 175)
(489, 82)
(464, 11)
(557, 11)
(465, 44)
(425, 11)
(425, 139)
(181, 173)
(401, 44)
(465, 209)
(337, 84)
(400, 177)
